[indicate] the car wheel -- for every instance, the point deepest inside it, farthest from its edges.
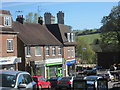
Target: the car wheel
(40, 87)
(35, 87)
(49, 87)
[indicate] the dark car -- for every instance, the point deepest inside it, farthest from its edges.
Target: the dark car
(92, 80)
(67, 82)
(105, 76)
(90, 71)
(11, 80)
(54, 81)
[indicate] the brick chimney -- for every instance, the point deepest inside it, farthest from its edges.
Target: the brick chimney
(52, 20)
(40, 20)
(49, 19)
(20, 19)
(60, 17)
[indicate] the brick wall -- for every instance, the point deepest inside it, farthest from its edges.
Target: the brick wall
(3, 38)
(66, 52)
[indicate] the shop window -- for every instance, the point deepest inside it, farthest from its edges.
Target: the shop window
(28, 51)
(47, 51)
(9, 45)
(53, 51)
(37, 51)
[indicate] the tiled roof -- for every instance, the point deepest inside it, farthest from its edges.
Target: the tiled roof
(6, 30)
(5, 12)
(59, 31)
(34, 34)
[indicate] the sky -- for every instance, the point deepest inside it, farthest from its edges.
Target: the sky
(79, 15)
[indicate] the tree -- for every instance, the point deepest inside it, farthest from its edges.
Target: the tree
(84, 52)
(32, 18)
(110, 36)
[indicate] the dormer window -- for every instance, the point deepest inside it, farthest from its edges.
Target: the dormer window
(7, 21)
(70, 37)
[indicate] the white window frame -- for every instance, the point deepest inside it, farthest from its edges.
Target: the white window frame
(59, 50)
(53, 51)
(11, 47)
(28, 54)
(68, 37)
(73, 52)
(72, 37)
(7, 21)
(47, 51)
(37, 51)
(68, 52)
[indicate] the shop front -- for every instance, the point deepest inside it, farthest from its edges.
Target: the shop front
(40, 68)
(54, 67)
(70, 67)
(9, 63)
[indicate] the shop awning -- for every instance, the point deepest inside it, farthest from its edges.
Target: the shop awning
(70, 62)
(9, 60)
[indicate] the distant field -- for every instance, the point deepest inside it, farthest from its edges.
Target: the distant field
(89, 38)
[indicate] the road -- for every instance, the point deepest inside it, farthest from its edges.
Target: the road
(110, 86)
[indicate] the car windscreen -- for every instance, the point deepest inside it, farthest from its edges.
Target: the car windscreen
(7, 80)
(91, 78)
(66, 78)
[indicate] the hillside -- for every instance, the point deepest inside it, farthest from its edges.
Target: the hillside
(89, 38)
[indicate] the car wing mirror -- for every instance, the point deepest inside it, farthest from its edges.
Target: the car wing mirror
(22, 86)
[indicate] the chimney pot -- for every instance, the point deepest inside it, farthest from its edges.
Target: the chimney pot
(20, 19)
(40, 20)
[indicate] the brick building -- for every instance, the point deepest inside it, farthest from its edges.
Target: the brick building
(36, 48)
(9, 58)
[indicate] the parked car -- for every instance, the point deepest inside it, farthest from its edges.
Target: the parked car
(107, 76)
(90, 71)
(41, 82)
(54, 81)
(66, 82)
(92, 80)
(16, 80)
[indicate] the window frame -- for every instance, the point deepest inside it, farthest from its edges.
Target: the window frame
(11, 47)
(59, 50)
(7, 21)
(36, 53)
(73, 52)
(68, 37)
(68, 52)
(28, 49)
(47, 51)
(53, 50)
(72, 37)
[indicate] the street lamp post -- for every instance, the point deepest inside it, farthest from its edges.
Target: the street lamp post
(82, 54)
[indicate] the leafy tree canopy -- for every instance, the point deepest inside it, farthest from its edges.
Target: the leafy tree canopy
(110, 36)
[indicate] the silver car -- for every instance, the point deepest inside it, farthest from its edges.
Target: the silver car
(16, 80)
(92, 80)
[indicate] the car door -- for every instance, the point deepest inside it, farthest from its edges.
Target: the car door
(28, 81)
(43, 82)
